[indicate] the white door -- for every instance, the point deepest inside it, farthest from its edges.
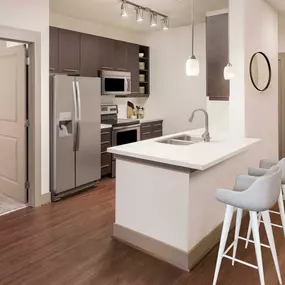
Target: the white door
(12, 123)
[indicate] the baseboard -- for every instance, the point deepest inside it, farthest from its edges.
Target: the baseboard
(45, 198)
(182, 259)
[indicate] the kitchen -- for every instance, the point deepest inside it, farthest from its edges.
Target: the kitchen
(163, 196)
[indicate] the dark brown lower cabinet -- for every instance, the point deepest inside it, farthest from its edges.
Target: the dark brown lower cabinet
(106, 158)
(151, 130)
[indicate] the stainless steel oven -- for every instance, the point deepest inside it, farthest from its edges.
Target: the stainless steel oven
(115, 82)
(124, 135)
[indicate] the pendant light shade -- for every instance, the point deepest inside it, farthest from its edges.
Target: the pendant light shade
(153, 20)
(139, 16)
(165, 24)
(192, 64)
(229, 72)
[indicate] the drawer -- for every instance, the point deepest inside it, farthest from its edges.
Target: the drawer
(106, 170)
(106, 159)
(157, 133)
(105, 145)
(105, 136)
(145, 136)
(145, 128)
(157, 126)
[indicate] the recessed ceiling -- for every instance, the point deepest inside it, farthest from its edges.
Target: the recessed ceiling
(108, 11)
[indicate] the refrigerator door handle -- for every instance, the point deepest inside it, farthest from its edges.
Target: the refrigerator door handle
(78, 115)
(75, 116)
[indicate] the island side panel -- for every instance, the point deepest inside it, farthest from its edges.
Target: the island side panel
(206, 214)
(153, 201)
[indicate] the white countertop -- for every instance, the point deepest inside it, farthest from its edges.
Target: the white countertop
(105, 126)
(198, 156)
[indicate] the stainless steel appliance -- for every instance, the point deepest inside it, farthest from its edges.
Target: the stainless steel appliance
(124, 131)
(75, 134)
(115, 82)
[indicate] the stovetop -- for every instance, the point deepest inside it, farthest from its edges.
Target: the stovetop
(115, 122)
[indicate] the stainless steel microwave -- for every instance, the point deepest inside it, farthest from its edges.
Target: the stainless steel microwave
(116, 82)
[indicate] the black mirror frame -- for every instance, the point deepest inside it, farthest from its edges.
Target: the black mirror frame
(269, 68)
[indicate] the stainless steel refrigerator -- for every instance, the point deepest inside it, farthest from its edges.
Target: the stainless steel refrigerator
(75, 134)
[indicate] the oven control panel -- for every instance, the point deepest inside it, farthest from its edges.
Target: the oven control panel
(109, 109)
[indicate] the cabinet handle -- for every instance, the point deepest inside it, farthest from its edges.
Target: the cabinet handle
(105, 166)
(52, 69)
(156, 125)
(160, 131)
(146, 126)
(70, 70)
(105, 142)
(123, 69)
(106, 133)
(107, 67)
(147, 133)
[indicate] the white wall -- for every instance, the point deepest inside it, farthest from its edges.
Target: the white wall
(34, 15)
(65, 22)
(174, 95)
(281, 33)
(257, 111)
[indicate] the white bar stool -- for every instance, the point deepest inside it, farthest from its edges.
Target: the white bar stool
(265, 165)
(261, 196)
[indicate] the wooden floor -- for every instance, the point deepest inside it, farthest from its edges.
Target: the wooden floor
(70, 242)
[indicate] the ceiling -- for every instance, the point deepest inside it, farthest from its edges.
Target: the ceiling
(278, 5)
(108, 11)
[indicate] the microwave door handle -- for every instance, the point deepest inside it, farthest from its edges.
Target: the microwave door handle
(79, 116)
(75, 116)
(129, 85)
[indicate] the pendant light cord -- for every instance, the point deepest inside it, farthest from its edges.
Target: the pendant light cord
(229, 34)
(192, 27)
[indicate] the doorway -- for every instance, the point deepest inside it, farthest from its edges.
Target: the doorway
(13, 126)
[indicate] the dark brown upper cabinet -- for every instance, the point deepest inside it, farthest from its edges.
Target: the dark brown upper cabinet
(69, 51)
(90, 62)
(107, 47)
(217, 50)
(133, 65)
(53, 49)
(120, 55)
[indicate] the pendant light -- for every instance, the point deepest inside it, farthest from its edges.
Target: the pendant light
(165, 24)
(192, 64)
(229, 72)
(139, 16)
(153, 19)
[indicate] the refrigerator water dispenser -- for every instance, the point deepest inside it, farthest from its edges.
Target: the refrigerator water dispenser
(65, 124)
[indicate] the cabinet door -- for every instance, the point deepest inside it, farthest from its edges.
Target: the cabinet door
(133, 65)
(217, 50)
(53, 49)
(106, 53)
(69, 51)
(120, 56)
(90, 55)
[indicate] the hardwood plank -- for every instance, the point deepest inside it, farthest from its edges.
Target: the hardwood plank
(70, 242)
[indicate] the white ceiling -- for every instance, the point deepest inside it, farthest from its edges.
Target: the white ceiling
(108, 11)
(278, 5)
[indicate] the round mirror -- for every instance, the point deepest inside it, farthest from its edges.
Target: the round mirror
(260, 71)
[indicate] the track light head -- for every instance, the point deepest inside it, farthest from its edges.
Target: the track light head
(165, 24)
(139, 16)
(153, 19)
(124, 9)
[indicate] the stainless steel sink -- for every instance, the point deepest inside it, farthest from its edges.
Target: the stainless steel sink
(181, 140)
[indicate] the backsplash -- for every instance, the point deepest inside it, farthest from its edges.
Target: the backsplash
(122, 103)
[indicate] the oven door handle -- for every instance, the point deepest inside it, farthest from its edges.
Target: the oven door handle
(126, 127)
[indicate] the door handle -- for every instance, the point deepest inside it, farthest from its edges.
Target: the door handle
(75, 116)
(79, 116)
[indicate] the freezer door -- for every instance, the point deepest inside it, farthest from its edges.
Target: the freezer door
(88, 139)
(62, 133)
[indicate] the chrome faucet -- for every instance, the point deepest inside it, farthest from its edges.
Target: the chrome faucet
(206, 135)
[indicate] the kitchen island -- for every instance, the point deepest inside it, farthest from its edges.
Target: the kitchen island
(165, 193)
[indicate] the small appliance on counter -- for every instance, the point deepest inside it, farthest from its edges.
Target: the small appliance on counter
(134, 112)
(124, 131)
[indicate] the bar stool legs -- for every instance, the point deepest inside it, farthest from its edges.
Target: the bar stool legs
(224, 237)
(254, 224)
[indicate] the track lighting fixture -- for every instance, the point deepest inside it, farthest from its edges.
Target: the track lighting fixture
(140, 14)
(124, 9)
(153, 19)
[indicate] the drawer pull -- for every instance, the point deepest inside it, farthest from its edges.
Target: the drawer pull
(156, 125)
(146, 126)
(106, 133)
(160, 131)
(70, 70)
(52, 69)
(105, 142)
(105, 166)
(147, 133)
